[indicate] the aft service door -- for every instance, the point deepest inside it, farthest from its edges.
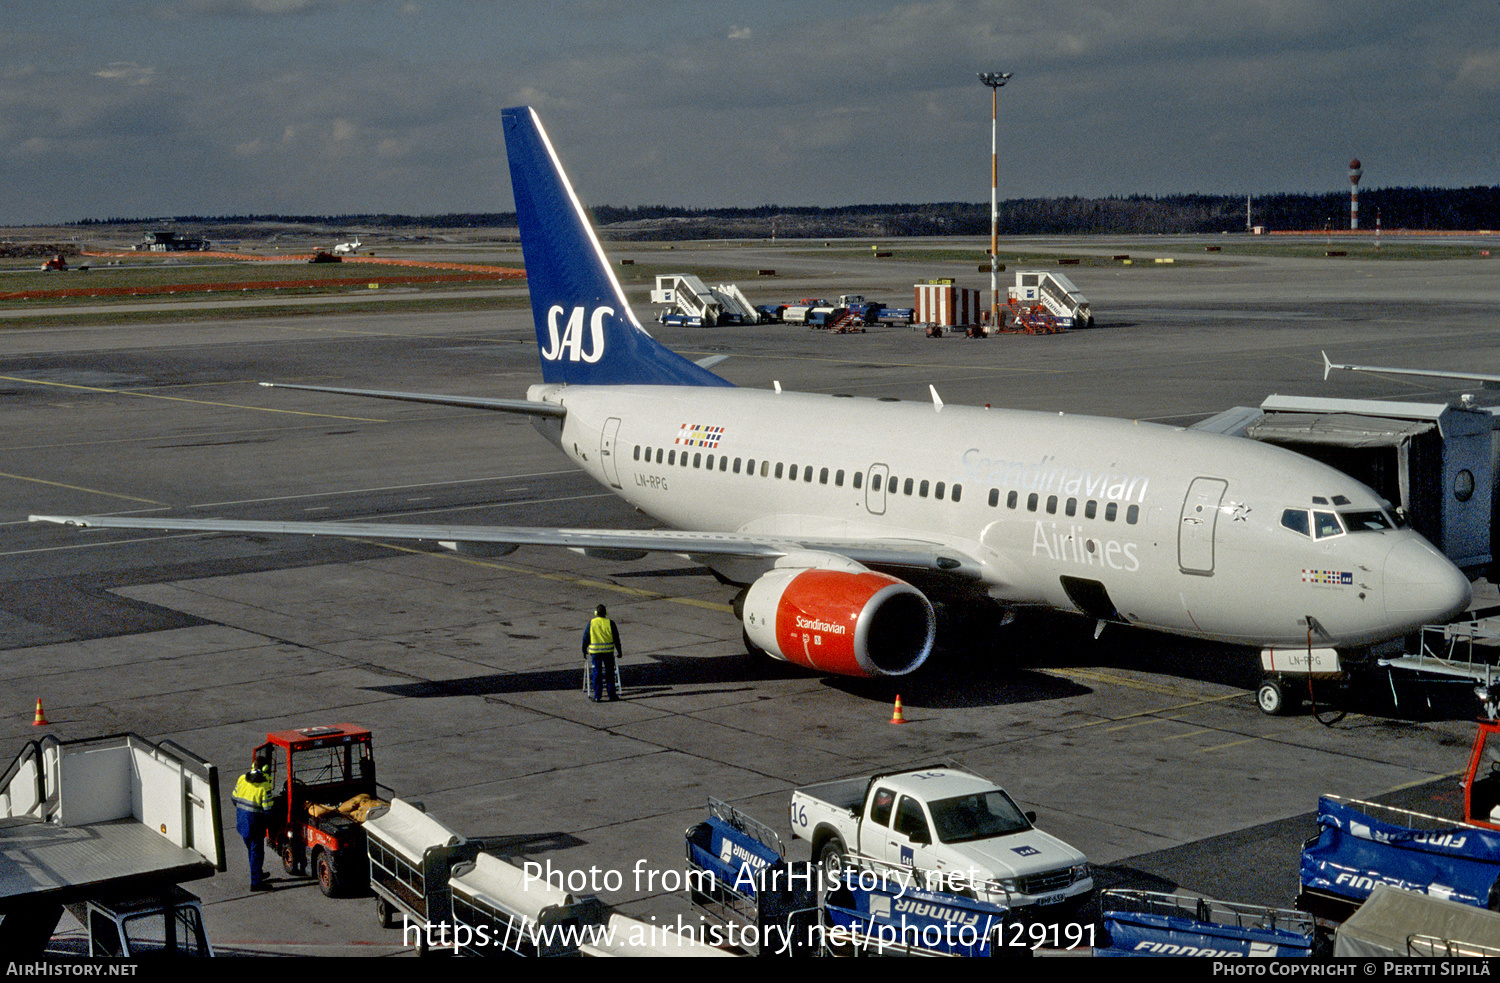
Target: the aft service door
(875, 488)
(1195, 533)
(607, 451)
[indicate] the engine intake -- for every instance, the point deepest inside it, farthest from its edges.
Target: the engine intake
(847, 623)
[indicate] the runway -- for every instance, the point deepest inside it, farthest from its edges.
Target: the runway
(1145, 752)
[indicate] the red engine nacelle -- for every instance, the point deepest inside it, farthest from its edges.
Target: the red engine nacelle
(851, 624)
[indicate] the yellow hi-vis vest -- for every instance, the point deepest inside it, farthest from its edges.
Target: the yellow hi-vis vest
(252, 796)
(601, 637)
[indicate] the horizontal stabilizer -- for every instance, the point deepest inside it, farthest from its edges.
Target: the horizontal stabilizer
(1485, 380)
(471, 402)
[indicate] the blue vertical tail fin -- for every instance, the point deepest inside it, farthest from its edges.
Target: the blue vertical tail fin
(585, 330)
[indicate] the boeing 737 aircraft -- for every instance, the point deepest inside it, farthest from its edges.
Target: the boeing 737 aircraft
(845, 519)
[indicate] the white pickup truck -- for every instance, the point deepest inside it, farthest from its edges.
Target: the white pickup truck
(941, 821)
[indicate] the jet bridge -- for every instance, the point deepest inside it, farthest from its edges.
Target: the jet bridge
(109, 821)
(1432, 461)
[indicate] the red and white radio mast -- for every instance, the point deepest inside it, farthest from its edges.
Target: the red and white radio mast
(1354, 174)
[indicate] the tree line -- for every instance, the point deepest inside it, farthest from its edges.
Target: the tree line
(1457, 209)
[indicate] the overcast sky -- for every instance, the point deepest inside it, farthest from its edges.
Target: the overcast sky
(142, 108)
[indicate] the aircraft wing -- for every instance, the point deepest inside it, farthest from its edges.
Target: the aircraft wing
(525, 406)
(608, 543)
(1488, 381)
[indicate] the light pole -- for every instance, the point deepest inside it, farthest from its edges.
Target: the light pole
(994, 80)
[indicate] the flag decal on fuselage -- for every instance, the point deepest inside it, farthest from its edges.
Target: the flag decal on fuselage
(698, 435)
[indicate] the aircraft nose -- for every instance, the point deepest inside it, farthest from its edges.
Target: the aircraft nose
(1422, 586)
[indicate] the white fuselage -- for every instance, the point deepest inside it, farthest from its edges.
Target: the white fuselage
(1166, 528)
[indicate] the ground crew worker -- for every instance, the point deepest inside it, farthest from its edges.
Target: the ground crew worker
(252, 809)
(601, 643)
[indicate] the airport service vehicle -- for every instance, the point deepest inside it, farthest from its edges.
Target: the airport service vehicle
(1398, 923)
(1151, 923)
(319, 769)
(945, 822)
(845, 520)
(133, 926)
(885, 916)
(739, 873)
(1482, 779)
(1054, 293)
(1361, 845)
(107, 828)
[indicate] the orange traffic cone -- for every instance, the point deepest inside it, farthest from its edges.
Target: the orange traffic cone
(898, 717)
(40, 719)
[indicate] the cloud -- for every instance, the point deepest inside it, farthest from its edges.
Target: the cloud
(126, 72)
(329, 105)
(182, 9)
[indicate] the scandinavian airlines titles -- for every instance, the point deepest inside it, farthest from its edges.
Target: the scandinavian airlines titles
(1046, 476)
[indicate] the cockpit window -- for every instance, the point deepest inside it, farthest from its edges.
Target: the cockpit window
(1372, 520)
(1296, 521)
(1326, 524)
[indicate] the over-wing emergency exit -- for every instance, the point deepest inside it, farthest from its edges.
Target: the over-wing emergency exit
(845, 519)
